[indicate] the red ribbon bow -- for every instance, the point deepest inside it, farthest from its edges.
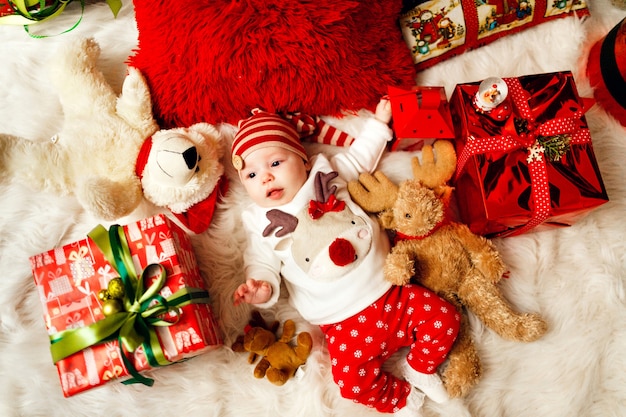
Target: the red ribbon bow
(318, 208)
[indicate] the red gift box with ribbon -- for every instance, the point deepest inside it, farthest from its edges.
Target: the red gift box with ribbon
(525, 157)
(122, 301)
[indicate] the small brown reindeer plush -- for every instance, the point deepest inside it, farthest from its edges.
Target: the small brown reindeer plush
(444, 256)
(280, 360)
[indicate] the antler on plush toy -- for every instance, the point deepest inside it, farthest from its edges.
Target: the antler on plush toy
(444, 256)
(280, 360)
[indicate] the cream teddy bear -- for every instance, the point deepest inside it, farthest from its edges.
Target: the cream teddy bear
(110, 152)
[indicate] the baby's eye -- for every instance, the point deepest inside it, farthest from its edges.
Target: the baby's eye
(275, 163)
(251, 175)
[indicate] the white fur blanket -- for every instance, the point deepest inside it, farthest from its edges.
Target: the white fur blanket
(574, 277)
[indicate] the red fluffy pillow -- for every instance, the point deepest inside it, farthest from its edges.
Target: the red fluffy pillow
(215, 60)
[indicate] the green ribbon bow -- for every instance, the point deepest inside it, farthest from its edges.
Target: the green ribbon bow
(143, 309)
(30, 12)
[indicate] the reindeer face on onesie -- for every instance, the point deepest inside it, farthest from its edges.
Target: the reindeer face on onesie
(327, 239)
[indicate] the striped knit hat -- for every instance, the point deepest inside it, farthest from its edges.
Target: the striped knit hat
(263, 129)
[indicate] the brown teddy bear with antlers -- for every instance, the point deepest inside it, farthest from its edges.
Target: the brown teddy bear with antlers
(444, 256)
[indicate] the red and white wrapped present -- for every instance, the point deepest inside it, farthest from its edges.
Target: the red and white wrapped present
(524, 155)
(123, 301)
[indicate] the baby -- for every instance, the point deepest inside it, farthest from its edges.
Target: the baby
(304, 228)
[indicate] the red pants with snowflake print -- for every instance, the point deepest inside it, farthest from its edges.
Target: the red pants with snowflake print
(406, 316)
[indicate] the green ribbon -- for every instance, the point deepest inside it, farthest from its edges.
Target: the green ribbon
(26, 12)
(144, 308)
(30, 12)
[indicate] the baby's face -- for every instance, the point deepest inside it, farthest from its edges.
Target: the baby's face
(273, 176)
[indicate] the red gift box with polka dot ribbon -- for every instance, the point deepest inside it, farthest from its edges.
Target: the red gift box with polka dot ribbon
(525, 157)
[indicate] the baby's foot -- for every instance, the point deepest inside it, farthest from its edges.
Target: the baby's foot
(429, 384)
(414, 403)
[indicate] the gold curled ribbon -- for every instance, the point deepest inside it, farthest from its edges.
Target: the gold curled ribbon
(143, 309)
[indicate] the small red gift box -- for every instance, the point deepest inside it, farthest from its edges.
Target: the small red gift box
(525, 158)
(418, 114)
(123, 301)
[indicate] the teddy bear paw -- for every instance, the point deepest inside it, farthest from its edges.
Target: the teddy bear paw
(108, 199)
(531, 327)
(459, 384)
(84, 52)
(276, 376)
(133, 82)
(398, 269)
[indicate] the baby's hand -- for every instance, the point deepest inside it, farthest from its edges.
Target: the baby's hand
(383, 111)
(253, 292)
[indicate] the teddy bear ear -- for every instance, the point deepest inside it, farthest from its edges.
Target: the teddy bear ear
(209, 133)
(386, 219)
(444, 193)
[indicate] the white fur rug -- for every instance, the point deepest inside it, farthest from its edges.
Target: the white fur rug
(574, 277)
